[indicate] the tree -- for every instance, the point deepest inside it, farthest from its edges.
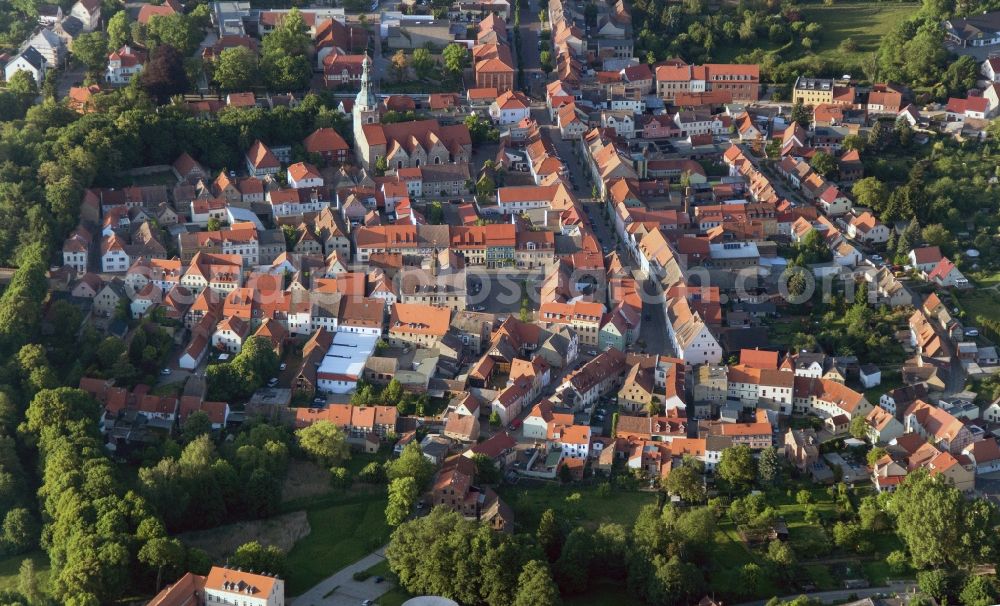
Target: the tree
(780, 554)
(91, 50)
(161, 553)
(573, 566)
(27, 582)
(859, 428)
(393, 393)
(340, 477)
(197, 424)
(290, 37)
(480, 130)
(800, 114)
(403, 493)
(372, 473)
(400, 64)
(175, 30)
(325, 442)
(938, 235)
(978, 591)
(119, 31)
(23, 83)
(287, 72)
(824, 164)
(164, 75)
(874, 455)
(960, 76)
(485, 187)
(486, 470)
(413, 464)
(456, 57)
(736, 467)
(769, 467)
(545, 59)
(897, 562)
(871, 515)
(20, 532)
(848, 535)
(535, 586)
(422, 63)
(934, 583)
(550, 535)
(253, 556)
(236, 69)
(938, 525)
(803, 497)
(686, 481)
(871, 193)
(495, 419)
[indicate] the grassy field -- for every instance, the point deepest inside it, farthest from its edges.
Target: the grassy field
(591, 510)
(863, 22)
(343, 531)
(9, 567)
(980, 302)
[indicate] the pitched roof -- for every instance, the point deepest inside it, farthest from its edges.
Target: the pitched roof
(260, 156)
(234, 581)
(420, 319)
(324, 140)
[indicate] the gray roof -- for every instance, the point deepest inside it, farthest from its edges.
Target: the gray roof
(33, 57)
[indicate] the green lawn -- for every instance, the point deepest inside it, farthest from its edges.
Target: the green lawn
(863, 22)
(979, 302)
(342, 532)
(891, 379)
(10, 565)
(395, 597)
(621, 507)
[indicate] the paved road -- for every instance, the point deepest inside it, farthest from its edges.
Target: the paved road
(843, 595)
(346, 591)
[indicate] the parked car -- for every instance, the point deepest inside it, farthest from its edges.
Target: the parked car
(272, 381)
(165, 371)
(972, 332)
(283, 366)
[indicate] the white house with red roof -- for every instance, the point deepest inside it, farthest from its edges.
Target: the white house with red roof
(925, 258)
(124, 64)
(972, 107)
(946, 275)
(230, 334)
(303, 174)
(834, 202)
(867, 228)
(510, 108)
(226, 586)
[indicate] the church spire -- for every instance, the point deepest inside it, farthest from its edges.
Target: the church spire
(366, 96)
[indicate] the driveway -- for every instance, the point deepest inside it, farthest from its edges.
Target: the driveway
(68, 78)
(340, 589)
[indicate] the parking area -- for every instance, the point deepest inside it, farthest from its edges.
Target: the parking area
(503, 292)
